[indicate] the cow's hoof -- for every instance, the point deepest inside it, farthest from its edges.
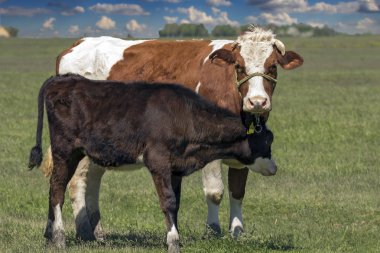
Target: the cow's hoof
(212, 231)
(99, 234)
(173, 247)
(49, 231)
(58, 239)
(236, 231)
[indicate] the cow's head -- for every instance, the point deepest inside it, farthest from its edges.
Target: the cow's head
(257, 51)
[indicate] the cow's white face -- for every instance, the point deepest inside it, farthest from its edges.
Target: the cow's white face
(255, 49)
(257, 99)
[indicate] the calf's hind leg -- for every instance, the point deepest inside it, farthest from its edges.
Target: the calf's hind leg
(62, 172)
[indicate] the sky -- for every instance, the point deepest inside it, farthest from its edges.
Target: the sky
(144, 18)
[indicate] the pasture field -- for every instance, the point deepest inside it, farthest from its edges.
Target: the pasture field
(325, 197)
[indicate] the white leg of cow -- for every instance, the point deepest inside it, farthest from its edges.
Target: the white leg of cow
(213, 189)
(236, 217)
(77, 190)
(94, 178)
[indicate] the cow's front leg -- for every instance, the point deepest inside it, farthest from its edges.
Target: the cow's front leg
(237, 179)
(77, 191)
(169, 206)
(213, 189)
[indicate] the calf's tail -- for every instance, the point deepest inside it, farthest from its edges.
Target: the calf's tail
(35, 157)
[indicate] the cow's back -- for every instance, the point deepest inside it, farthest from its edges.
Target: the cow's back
(107, 58)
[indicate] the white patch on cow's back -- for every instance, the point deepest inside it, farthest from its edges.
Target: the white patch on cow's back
(216, 44)
(197, 88)
(95, 56)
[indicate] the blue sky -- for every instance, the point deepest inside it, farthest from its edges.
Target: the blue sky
(143, 18)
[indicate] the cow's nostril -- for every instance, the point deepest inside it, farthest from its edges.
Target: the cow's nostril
(257, 102)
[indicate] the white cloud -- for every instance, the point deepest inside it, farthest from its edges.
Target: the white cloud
(215, 11)
(20, 11)
(170, 20)
(365, 24)
(124, 9)
(315, 24)
(277, 19)
(106, 23)
(291, 6)
(134, 26)
(48, 24)
(219, 2)
(369, 6)
(196, 16)
(74, 29)
(251, 19)
(184, 21)
(76, 10)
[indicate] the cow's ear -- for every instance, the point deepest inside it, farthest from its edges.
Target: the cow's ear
(290, 60)
(224, 55)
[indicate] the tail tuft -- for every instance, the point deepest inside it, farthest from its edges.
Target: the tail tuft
(35, 157)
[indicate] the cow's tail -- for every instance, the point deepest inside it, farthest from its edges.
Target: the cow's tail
(35, 157)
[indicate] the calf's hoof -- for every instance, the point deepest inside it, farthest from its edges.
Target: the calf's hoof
(173, 247)
(58, 239)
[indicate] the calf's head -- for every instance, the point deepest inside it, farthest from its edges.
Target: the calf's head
(257, 153)
(255, 55)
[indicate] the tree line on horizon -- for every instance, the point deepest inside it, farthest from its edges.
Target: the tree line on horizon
(199, 30)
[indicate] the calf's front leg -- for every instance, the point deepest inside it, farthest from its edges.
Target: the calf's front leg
(167, 197)
(237, 179)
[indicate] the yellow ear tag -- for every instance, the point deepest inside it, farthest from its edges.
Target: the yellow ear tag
(251, 129)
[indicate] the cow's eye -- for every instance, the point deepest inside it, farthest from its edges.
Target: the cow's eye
(273, 68)
(239, 68)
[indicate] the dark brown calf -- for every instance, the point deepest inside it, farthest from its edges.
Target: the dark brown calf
(116, 124)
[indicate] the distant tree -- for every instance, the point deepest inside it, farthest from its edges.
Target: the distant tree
(170, 30)
(12, 31)
(183, 30)
(225, 31)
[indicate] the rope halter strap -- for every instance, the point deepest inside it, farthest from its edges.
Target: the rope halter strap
(239, 83)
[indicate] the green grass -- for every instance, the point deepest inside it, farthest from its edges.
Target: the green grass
(325, 197)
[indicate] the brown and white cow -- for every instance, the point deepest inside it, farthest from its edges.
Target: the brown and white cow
(211, 68)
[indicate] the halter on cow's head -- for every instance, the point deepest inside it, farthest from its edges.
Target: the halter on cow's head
(255, 55)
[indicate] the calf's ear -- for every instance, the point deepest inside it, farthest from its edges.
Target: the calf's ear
(223, 55)
(290, 60)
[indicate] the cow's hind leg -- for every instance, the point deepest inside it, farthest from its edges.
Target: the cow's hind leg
(94, 178)
(237, 179)
(64, 167)
(213, 189)
(78, 188)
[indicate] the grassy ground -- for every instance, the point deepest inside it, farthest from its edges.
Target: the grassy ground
(325, 197)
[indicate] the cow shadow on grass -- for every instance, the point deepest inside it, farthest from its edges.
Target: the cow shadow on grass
(145, 239)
